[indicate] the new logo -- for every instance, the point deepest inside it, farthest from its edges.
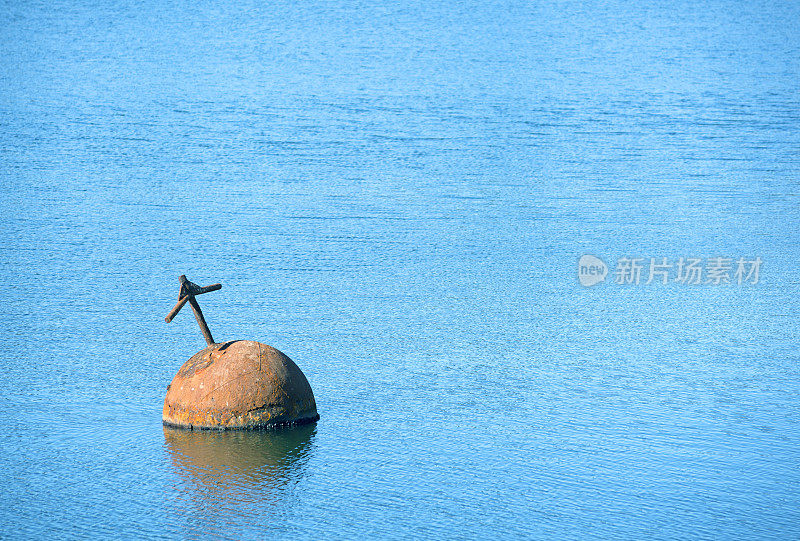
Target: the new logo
(591, 270)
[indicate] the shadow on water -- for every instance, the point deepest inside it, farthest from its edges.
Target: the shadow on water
(231, 474)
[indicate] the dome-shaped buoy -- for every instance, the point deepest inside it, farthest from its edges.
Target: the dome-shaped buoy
(238, 384)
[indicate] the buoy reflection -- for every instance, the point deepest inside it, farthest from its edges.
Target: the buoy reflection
(225, 469)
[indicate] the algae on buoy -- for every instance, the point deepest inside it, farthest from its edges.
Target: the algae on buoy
(237, 384)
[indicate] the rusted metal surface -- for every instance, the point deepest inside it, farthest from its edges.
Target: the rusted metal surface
(239, 384)
(186, 294)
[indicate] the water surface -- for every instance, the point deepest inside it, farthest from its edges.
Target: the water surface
(396, 195)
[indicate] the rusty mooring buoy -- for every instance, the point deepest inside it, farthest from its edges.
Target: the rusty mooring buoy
(236, 384)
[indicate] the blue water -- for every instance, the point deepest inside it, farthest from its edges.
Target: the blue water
(396, 195)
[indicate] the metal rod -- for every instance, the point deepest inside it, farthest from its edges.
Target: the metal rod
(174, 311)
(206, 289)
(187, 293)
(189, 289)
(198, 314)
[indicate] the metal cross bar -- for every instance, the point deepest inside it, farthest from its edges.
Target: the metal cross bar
(187, 293)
